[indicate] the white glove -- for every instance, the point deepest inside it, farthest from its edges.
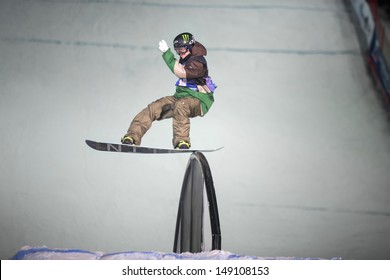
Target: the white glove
(163, 46)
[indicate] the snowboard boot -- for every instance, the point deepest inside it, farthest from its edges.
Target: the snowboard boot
(127, 140)
(183, 145)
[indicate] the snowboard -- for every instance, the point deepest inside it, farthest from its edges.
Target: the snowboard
(123, 148)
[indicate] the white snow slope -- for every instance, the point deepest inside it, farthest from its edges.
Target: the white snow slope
(305, 168)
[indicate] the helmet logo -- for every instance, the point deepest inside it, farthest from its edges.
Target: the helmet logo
(186, 37)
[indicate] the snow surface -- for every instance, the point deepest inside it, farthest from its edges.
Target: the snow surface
(305, 168)
(44, 253)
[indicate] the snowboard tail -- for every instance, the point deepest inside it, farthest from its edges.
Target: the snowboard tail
(123, 148)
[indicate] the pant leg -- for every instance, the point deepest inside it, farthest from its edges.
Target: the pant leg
(183, 110)
(157, 110)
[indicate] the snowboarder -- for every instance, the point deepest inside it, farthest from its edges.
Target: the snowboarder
(193, 96)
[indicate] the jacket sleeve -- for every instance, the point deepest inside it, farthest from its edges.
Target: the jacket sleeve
(169, 59)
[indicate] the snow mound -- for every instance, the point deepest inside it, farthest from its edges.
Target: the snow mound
(44, 253)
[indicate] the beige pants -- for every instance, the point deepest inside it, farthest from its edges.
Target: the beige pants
(180, 110)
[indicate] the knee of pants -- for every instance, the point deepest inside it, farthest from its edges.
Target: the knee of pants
(161, 108)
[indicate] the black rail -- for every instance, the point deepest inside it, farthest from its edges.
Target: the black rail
(189, 225)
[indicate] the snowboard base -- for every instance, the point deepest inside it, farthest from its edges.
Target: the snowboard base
(123, 148)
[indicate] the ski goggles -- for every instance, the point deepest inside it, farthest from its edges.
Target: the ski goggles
(181, 50)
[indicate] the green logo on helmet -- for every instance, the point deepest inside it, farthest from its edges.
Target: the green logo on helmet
(186, 38)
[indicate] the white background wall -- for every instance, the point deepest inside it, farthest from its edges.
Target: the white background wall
(305, 168)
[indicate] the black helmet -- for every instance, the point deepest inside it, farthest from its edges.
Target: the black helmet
(185, 39)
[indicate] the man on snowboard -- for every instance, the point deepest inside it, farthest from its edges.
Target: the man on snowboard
(193, 96)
